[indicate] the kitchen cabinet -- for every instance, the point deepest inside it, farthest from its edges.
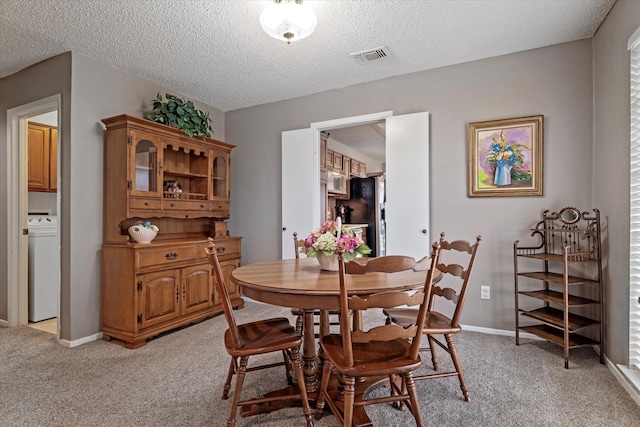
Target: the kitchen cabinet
(337, 160)
(354, 168)
(358, 169)
(181, 184)
(323, 152)
(329, 157)
(562, 301)
(53, 160)
(42, 158)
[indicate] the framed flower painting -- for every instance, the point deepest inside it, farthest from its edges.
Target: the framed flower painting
(505, 157)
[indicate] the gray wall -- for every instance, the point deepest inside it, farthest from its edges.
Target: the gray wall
(93, 91)
(555, 81)
(47, 78)
(611, 170)
(98, 92)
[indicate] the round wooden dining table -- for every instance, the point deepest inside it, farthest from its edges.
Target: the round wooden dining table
(299, 283)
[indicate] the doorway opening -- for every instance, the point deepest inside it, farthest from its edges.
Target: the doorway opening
(358, 152)
(21, 235)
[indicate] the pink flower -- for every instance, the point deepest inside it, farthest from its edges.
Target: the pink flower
(323, 240)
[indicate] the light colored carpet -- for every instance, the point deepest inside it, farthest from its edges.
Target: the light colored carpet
(177, 379)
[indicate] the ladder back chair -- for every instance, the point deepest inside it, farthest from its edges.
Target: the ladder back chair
(452, 289)
(254, 338)
(385, 350)
(324, 321)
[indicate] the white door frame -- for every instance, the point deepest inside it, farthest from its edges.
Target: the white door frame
(317, 127)
(346, 121)
(17, 188)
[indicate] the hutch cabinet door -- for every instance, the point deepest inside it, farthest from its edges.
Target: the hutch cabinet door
(145, 160)
(158, 299)
(227, 267)
(197, 285)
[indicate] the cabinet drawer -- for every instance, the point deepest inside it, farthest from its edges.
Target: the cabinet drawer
(165, 255)
(220, 206)
(223, 247)
(186, 205)
(154, 204)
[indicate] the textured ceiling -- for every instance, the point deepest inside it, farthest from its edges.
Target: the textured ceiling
(216, 52)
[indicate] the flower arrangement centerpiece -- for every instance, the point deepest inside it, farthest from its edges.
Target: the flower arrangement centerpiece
(323, 243)
(143, 232)
(504, 155)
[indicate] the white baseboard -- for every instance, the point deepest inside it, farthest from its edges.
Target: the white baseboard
(4, 323)
(498, 332)
(84, 340)
(628, 378)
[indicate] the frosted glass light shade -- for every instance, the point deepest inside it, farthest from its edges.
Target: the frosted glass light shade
(288, 20)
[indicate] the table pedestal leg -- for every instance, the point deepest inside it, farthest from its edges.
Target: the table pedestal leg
(309, 360)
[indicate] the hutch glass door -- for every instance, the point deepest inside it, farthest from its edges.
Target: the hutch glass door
(146, 171)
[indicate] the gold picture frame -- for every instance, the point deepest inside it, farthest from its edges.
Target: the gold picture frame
(505, 157)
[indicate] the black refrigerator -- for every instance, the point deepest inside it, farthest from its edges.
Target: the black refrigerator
(366, 206)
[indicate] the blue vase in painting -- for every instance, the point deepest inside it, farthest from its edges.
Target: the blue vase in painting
(503, 174)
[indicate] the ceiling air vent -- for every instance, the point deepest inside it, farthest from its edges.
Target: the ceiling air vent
(370, 55)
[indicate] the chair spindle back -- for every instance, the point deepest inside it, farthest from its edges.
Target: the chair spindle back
(457, 293)
(386, 299)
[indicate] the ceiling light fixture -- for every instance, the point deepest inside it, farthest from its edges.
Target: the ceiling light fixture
(288, 20)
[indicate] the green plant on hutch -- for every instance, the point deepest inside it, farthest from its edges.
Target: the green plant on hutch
(180, 114)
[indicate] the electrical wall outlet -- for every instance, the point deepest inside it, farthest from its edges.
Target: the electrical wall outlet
(485, 292)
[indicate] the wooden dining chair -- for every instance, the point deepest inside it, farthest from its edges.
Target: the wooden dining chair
(324, 321)
(386, 350)
(451, 289)
(254, 338)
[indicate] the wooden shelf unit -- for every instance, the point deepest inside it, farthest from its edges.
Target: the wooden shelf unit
(571, 314)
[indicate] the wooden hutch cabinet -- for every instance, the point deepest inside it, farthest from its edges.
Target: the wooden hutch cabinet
(558, 282)
(181, 184)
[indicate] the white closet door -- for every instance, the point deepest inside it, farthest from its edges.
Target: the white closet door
(300, 187)
(407, 185)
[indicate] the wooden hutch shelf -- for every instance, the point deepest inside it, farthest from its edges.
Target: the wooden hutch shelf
(181, 184)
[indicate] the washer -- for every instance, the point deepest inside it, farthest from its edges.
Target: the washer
(44, 267)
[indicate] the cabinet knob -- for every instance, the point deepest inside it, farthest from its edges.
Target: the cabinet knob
(220, 249)
(202, 206)
(171, 255)
(172, 205)
(146, 203)
(424, 231)
(284, 228)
